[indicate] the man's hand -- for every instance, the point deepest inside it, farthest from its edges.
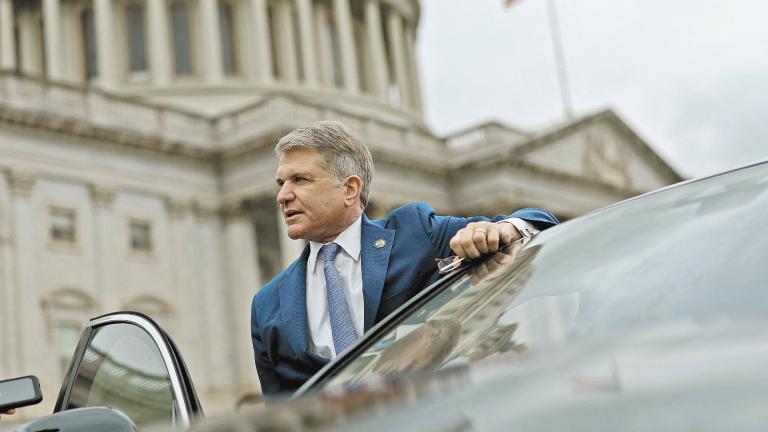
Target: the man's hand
(481, 238)
(9, 412)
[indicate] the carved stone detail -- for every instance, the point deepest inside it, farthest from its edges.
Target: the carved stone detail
(176, 207)
(204, 211)
(21, 182)
(103, 195)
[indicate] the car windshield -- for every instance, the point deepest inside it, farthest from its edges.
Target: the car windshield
(685, 254)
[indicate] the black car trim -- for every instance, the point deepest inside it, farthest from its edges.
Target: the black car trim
(74, 365)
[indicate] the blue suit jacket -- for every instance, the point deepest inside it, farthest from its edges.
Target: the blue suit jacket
(414, 236)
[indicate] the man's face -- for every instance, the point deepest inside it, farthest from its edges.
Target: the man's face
(312, 207)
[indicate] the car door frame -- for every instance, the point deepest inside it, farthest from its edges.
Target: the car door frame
(181, 382)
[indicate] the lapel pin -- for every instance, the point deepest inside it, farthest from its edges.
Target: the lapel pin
(380, 243)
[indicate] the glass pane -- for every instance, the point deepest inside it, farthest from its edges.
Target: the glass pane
(672, 260)
(181, 38)
(141, 236)
(227, 38)
(67, 336)
(123, 368)
(62, 227)
(136, 38)
(89, 44)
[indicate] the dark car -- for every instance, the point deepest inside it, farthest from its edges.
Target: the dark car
(651, 314)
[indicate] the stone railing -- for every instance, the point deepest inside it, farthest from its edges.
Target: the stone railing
(100, 109)
(485, 135)
(162, 125)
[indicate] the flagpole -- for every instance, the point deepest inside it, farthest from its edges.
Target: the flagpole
(562, 72)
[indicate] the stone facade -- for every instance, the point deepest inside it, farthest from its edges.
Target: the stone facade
(137, 168)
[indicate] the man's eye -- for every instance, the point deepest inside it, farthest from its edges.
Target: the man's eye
(299, 179)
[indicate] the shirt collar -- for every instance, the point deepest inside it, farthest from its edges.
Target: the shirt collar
(349, 240)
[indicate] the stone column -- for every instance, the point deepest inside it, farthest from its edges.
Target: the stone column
(308, 35)
(343, 19)
(396, 44)
(107, 277)
(413, 68)
(211, 39)
(324, 47)
(198, 319)
(31, 45)
(379, 75)
(244, 280)
(8, 333)
(24, 293)
(209, 289)
(7, 36)
(262, 57)
(105, 42)
(286, 57)
(159, 42)
(52, 35)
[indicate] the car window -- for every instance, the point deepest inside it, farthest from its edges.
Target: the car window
(123, 368)
(683, 255)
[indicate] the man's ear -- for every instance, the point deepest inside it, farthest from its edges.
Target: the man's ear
(353, 186)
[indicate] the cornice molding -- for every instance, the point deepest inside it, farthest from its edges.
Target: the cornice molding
(83, 129)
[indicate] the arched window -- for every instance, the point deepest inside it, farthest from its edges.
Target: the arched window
(66, 311)
(157, 309)
(88, 30)
(182, 42)
(137, 53)
(227, 32)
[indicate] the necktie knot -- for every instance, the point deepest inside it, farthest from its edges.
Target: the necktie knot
(329, 252)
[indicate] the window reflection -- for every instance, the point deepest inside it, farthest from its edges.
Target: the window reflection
(123, 368)
(675, 257)
(462, 322)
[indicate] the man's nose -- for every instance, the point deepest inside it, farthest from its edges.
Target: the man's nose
(285, 194)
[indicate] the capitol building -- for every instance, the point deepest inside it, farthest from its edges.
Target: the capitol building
(137, 165)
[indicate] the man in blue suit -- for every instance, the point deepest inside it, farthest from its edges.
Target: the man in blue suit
(354, 271)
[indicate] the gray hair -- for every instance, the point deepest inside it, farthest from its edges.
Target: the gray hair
(344, 154)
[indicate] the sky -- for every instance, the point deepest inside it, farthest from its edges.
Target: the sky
(689, 76)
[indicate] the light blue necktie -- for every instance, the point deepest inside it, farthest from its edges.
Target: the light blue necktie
(342, 327)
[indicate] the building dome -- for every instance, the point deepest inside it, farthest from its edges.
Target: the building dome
(212, 56)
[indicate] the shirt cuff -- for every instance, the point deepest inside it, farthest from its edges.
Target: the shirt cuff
(526, 229)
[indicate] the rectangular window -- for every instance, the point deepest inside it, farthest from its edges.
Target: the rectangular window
(182, 46)
(136, 38)
(67, 336)
(89, 44)
(227, 30)
(63, 225)
(140, 236)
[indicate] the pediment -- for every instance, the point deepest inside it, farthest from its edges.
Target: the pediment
(600, 148)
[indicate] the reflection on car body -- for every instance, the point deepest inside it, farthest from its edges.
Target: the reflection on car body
(649, 314)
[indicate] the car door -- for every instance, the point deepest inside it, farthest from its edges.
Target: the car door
(124, 360)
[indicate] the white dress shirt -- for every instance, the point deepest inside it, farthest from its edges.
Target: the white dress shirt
(351, 272)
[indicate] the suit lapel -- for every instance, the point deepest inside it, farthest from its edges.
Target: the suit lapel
(375, 261)
(293, 304)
